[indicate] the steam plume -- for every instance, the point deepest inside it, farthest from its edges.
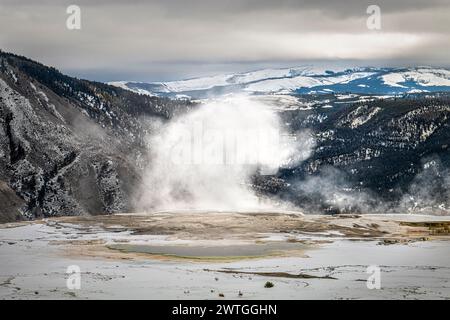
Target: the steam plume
(205, 159)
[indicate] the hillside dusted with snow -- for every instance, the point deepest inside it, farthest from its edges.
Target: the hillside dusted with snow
(69, 146)
(382, 155)
(303, 80)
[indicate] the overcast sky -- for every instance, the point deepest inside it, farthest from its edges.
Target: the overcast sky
(173, 39)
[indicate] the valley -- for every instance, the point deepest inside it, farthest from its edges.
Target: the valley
(88, 183)
(220, 157)
(76, 147)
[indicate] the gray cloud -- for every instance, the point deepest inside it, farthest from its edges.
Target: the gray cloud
(147, 40)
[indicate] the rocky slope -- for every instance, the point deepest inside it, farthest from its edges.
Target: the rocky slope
(382, 155)
(69, 146)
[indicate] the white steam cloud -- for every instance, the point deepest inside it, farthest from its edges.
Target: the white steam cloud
(429, 192)
(204, 160)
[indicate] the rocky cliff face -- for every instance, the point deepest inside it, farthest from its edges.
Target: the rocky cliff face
(69, 146)
(389, 154)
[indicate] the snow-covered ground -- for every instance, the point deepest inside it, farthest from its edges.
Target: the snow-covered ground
(312, 79)
(321, 264)
(422, 76)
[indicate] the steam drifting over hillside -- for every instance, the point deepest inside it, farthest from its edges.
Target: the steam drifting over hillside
(205, 159)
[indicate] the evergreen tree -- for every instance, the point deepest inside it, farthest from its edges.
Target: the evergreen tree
(2, 66)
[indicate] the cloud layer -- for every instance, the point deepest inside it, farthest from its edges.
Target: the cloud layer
(149, 40)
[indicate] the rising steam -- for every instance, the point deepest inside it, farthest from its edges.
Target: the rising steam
(204, 160)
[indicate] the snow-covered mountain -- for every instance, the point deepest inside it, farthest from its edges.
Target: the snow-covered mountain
(303, 80)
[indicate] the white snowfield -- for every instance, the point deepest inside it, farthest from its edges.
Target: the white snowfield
(423, 76)
(287, 80)
(294, 83)
(314, 263)
(243, 78)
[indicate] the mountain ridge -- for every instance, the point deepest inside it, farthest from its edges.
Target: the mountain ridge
(368, 80)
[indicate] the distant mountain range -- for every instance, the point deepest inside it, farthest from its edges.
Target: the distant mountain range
(303, 80)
